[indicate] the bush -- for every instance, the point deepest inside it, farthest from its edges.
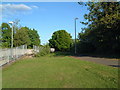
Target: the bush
(61, 41)
(44, 51)
(85, 47)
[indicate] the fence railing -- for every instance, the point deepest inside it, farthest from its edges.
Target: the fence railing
(37, 49)
(9, 54)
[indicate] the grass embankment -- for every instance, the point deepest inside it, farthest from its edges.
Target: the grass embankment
(59, 72)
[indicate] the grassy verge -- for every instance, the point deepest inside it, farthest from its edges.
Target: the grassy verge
(58, 72)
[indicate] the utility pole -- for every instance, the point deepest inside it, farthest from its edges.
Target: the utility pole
(75, 35)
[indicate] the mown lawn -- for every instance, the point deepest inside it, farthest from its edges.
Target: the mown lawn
(58, 72)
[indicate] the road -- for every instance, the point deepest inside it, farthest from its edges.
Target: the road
(104, 61)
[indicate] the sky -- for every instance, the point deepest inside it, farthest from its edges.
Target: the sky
(45, 17)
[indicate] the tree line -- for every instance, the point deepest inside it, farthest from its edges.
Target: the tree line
(101, 34)
(21, 36)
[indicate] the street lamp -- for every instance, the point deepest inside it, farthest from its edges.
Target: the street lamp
(12, 39)
(75, 35)
(11, 34)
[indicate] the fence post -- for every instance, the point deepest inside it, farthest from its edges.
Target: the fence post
(7, 56)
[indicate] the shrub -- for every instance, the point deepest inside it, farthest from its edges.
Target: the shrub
(44, 51)
(85, 47)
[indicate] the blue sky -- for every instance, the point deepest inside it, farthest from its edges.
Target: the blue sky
(45, 17)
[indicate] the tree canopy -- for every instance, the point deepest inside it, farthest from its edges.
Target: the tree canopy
(61, 40)
(21, 36)
(103, 27)
(34, 37)
(5, 35)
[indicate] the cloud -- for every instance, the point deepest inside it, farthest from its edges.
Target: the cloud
(14, 9)
(35, 6)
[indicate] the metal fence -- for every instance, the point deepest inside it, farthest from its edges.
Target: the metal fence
(9, 54)
(37, 49)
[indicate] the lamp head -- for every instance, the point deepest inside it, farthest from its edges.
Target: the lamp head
(11, 22)
(76, 18)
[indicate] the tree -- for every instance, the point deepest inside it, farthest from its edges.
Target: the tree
(27, 36)
(34, 38)
(61, 40)
(103, 24)
(5, 35)
(21, 37)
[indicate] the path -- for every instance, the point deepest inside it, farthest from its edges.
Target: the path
(105, 61)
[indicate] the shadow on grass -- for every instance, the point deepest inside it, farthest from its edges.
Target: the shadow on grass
(96, 55)
(115, 65)
(62, 54)
(111, 56)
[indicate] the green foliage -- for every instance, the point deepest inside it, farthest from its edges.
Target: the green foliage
(34, 38)
(61, 40)
(72, 48)
(26, 36)
(5, 35)
(103, 27)
(44, 51)
(21, 37)
(85, 47)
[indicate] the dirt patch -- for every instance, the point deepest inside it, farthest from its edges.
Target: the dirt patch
(27, 56)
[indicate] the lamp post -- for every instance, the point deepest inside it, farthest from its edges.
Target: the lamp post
(75, 35)
(11, 34)
(11, 38)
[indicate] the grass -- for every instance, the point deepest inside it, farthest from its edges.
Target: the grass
(58, 72)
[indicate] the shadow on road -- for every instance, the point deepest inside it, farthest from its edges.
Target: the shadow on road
(115, 65)
(101, 56)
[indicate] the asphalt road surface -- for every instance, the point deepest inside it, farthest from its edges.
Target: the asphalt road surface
(104, 61)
